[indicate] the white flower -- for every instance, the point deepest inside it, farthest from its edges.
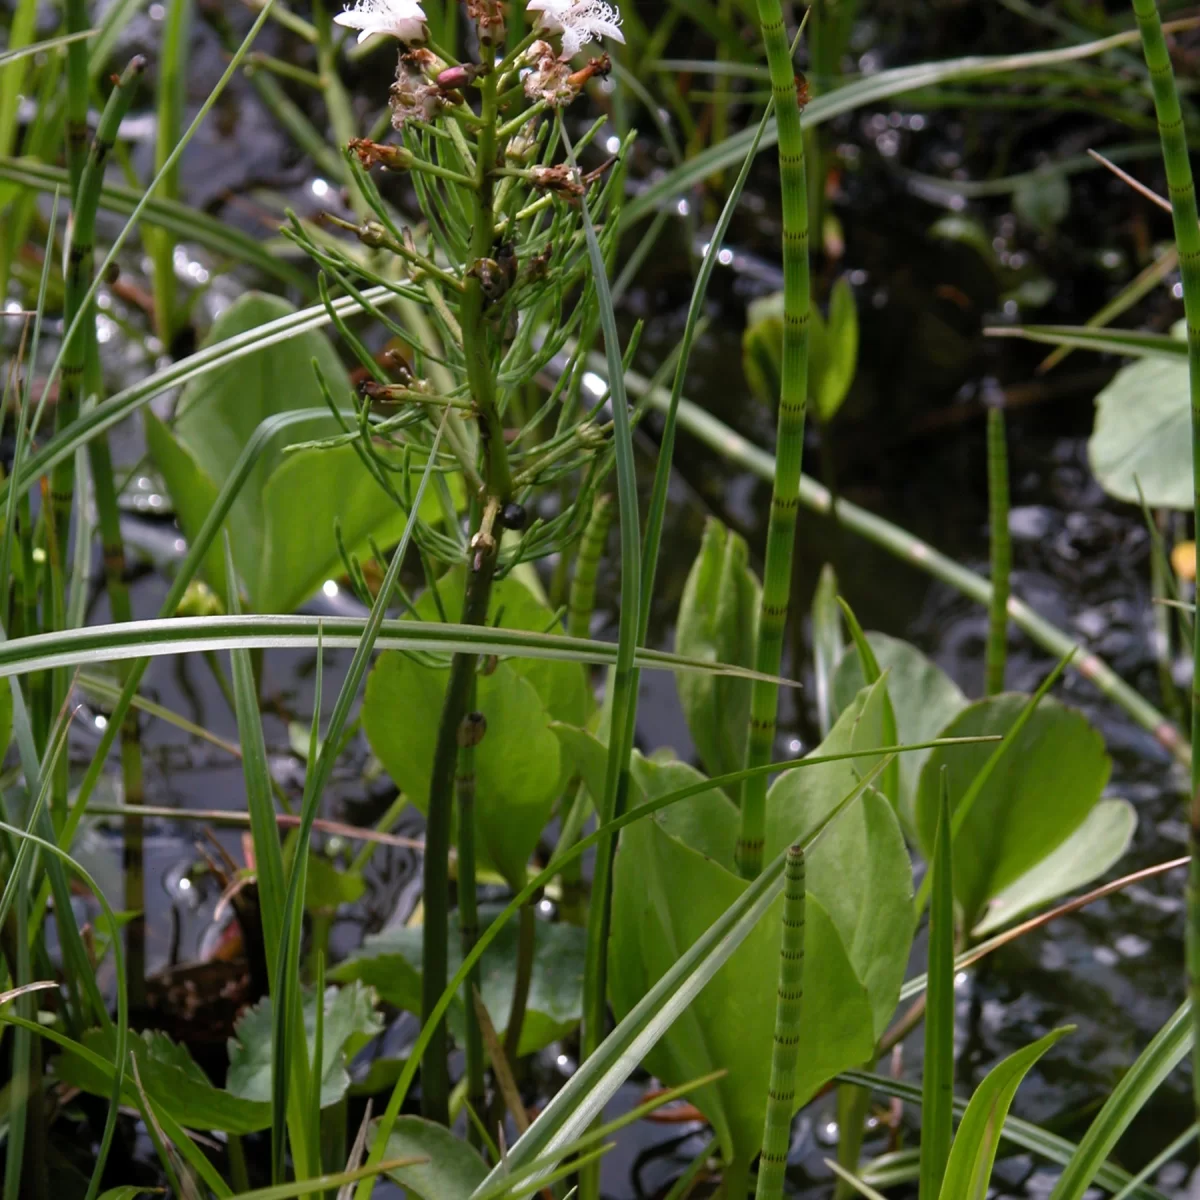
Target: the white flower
(579, 21)
(403, 19)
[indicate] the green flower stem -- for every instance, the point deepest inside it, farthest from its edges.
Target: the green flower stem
(785, 1051)
(468, 922)
(997, 642)
(923, 557)
(1182, 193)
(435, 1082)
(793, 401)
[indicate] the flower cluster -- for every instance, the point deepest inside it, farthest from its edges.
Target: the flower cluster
(578, 21)
(402, 19)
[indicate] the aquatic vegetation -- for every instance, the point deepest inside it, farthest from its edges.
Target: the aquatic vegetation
(410, 480)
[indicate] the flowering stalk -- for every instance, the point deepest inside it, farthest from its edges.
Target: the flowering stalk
(793, 401)
(504, 248)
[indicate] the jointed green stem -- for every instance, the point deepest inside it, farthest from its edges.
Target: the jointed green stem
(793, 400)
(997, 643)
(468, 915)
(785, 1051)
(1182, 193)
(581, 603)
(77, 92)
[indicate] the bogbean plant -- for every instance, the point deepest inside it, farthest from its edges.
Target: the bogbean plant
(753, 952)
(503, 270)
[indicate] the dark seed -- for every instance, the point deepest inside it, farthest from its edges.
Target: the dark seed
(514, 517)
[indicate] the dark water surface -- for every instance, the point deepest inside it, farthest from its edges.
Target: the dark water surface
(909, 446)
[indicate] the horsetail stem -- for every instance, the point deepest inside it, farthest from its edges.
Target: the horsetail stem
(470, 732)
(1001, 544)
(793, 400)
(485, 545)
(785, 1050)
(1182, 193)
(581, 603)
(76, 15)
(581, 600)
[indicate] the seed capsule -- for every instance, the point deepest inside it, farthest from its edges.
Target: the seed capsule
(472, 729)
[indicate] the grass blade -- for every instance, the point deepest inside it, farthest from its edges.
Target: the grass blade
(937, 1085)
(624, 679)
(1165, 1052)
(969, 1170)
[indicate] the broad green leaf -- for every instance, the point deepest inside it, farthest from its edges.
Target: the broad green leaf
(859, 869)
(171, 1078)
(562, 686)
(889, 781)
(969, 1170)
(1042, 199)
(1143, 434)
(828, 647)
(517, 765)
(391, 963)
(833, 349)
(924, 700)
(350, 1021)
(453, 1170)
(1047, 780)
(762, 347)
(1087, 854)
(282, 524)
(327, 888)
(718, 622)
(127, 1193)
(665, 896)
(674, 875)
(833, 352)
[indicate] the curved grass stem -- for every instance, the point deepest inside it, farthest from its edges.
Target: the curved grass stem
(1001, 545)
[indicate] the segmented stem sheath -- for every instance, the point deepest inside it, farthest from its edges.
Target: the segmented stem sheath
(785, 1051)
(1182, 193)
(789, 445)
(581, 600)
(1001, 546)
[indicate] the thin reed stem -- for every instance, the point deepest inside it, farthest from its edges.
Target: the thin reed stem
(793, 402)
(785, 1050)
(1001, 544)
(1182, 193)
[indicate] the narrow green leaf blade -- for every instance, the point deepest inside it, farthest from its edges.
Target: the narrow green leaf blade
(937, 1112)
(970, 1166)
